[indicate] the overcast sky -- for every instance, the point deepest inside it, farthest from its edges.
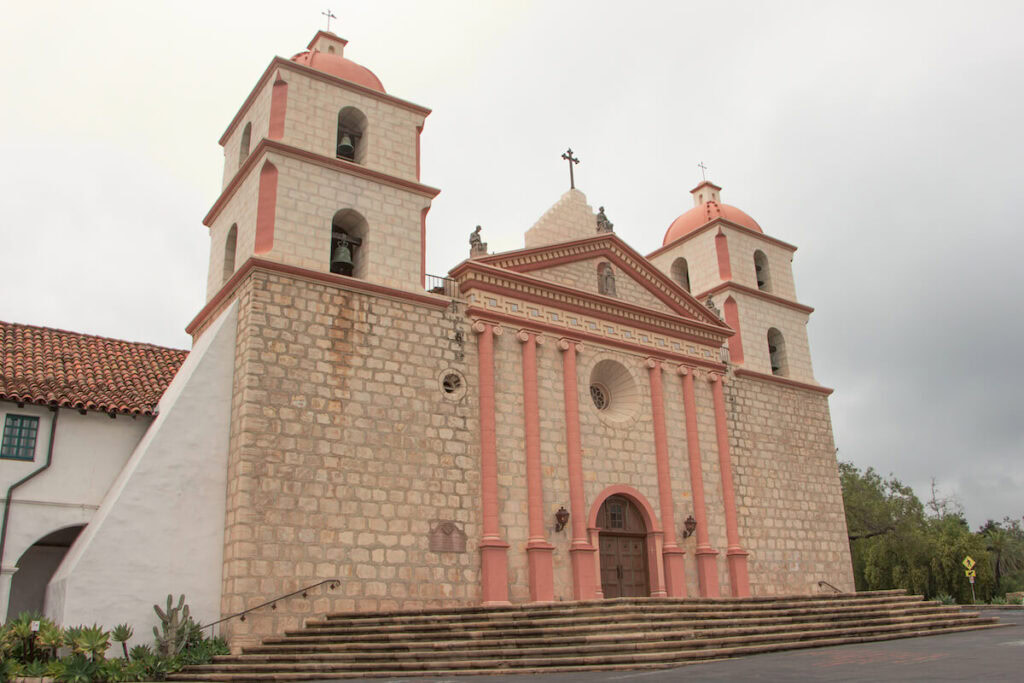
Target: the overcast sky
(883, 139)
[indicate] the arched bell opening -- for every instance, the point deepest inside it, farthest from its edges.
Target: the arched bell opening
(628, 544)
(777, 353)
(351, 135)
(35, 569)
(761, 271)
(230, 245)
(243, 147)
(348, 243)
(680, 273)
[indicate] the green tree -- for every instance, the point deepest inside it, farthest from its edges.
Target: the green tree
(1005, 543)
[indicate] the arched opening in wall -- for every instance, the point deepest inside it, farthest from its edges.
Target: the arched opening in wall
(243, 147)
(764, 277)
(623, 548)
(348, 243)
(35, 569)
(606, 279)
(229, 253)
(777, 353)
(680, 273)
(351, 135)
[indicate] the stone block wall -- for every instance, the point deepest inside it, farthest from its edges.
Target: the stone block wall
(571, 218)
(742, 246)
(701, 259)
(788, 497)
(258, 114)
(582, 275)
(241, 211)
(757, 316)
(345, 452)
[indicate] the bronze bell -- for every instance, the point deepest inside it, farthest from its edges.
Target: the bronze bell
(341, 258)
(345, 148)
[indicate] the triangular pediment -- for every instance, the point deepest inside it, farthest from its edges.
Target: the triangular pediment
(574, 265)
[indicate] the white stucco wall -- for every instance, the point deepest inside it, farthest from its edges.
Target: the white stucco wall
(89, 452)
(160, 528)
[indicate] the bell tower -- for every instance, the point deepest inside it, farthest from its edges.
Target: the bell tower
(717, 251)
(321, 173)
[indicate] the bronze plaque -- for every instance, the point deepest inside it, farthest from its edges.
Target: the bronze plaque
(447, 537)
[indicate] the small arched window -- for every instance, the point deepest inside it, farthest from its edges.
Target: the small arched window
(606, 279)
(351, 135)
(764, 277)
(229, 253)
(777, 353)
(681, 273)
(243, 147)
(348, 243)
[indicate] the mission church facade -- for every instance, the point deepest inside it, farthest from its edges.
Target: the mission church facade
(572, 420)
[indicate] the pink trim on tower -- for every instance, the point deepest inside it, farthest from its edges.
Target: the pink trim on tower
(538, 550)
(732, 319)
(707, 570)
(581, 552)
(739, 579)
(655, 566)
(722, 251)
(673, 556)
(266, 209)
(737, 287)
(278, 107)
(423, 246)
(419, 132)
(493, 550)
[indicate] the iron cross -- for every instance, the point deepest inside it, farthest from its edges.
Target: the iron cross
(329, 15)
(702, 168)
(572, 160)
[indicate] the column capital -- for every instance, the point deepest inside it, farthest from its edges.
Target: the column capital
(523, 335)
(652, 362)
(714, 377)
(565, 343)
(481, 326)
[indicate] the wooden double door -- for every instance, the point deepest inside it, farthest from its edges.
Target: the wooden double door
(623, 548)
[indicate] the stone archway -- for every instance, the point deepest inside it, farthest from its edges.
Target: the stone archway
(35, 568)
(623, 527)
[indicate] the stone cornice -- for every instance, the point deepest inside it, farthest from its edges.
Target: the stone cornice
(785, 381)
(289, 65)
(610, 246)
(339, 281)
(475, 275)
(756, 293)
(721, 222)
(265, 146)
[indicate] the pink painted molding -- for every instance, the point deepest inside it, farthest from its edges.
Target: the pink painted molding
(340, 281)
(265, 146)
(784, 381)
(722, 252)
(266, 209)
(493, 549)
(736, 287)
(278, 63)
(707, 572)
(732, 318)
(556, 330)
(739, 579)
(278, 107)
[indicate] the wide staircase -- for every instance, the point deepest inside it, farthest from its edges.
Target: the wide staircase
(624, 633)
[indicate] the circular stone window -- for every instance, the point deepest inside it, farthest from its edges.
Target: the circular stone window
(613, 391)
(453, 385)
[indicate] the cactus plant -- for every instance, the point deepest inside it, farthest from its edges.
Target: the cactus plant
(174, 622)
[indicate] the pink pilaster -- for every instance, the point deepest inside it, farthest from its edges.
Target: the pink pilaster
(672, 554)
(538, 550)
(722, 252)
(581, 552)
(739, 579)
(493, 550)
(707, 570)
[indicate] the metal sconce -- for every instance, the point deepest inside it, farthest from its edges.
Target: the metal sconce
(689, 526)
(561, 518)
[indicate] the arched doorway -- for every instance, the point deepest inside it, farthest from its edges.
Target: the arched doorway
(623, 547)
(35, 569)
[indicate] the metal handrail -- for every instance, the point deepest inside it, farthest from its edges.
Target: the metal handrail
(821, 584)
(334, 583)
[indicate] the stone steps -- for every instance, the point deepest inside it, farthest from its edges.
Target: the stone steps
(579, 636)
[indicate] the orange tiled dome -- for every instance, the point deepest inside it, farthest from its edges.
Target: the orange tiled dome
(336, 65)
(702, 215)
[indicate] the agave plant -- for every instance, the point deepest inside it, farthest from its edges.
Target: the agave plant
(141, 653)
(78, 669)
(92, 641)
(122, 633)
(50, 637)
(34, 669)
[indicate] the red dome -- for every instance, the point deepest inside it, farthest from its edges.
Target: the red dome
(700, 216)
(340, 67)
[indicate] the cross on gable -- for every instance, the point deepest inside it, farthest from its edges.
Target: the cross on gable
(572, 160)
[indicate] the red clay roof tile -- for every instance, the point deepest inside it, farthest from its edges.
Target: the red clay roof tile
(60, 368)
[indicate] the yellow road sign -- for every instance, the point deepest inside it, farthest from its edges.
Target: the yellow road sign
(971, 573)
(969, 562)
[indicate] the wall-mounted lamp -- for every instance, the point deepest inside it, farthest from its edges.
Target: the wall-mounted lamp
(561, 518)
(689, 526)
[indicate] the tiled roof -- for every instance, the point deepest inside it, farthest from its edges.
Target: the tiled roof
(59, 368)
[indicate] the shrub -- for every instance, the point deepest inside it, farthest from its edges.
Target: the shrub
(945, 599)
